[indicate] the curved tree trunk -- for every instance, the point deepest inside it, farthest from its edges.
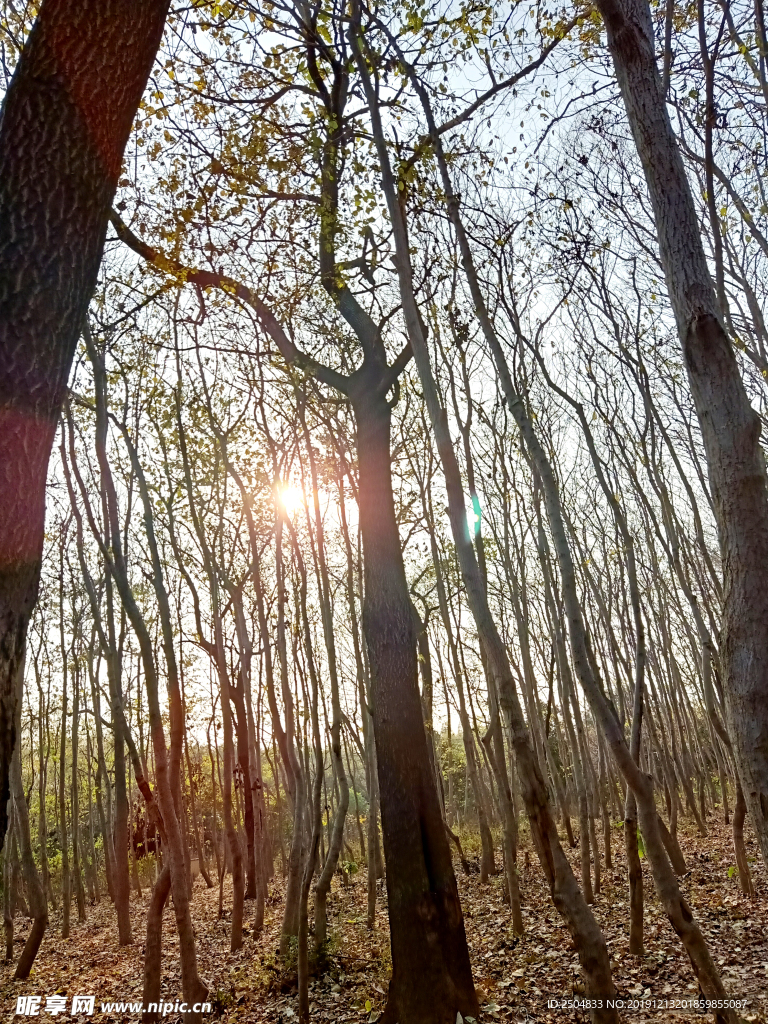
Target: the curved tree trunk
(739, 814)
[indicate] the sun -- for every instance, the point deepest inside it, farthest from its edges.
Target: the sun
(290, 497)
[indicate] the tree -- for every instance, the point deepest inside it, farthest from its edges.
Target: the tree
(730, 427)
(64, 124)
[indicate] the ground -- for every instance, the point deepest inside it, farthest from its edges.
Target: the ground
(517, 977)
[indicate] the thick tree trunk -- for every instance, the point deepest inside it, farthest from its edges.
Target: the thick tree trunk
(64, 124)
(431, 974)
(729, 425)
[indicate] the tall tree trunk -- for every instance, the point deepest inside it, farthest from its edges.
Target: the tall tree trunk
(42, 784)
(66, 889)
(91, 840)
(323, 884)
(431, 974)
(569, 901)
(73, 97)
(167, 764)
(730, 427)
(675, 905)
(242, 731)
(233, 840)
(77, 874)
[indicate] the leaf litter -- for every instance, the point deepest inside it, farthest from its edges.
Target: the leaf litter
(515, 975)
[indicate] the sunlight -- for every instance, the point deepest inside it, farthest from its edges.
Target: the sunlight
(290, 497)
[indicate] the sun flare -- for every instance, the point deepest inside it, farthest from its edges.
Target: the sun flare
(290, 497)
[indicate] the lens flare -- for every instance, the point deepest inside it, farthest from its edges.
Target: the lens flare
(290, 497)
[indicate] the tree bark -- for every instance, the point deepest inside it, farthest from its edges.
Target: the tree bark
(64, 124)
(153, 950)
(729, 425)
(66, 885)
(431, 974)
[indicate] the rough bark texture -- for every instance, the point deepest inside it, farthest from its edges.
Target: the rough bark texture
(730, 427)
(64, 124)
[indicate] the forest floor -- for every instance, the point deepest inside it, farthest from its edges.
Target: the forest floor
(516, 976)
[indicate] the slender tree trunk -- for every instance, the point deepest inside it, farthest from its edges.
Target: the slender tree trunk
(242, 732)
(38, 905)
(42, 785)
(591, 946)
(91, 840)
(739, 814)
(315, 811)
(66, 890)
(75, 795)
(323, 884)
(233, 841)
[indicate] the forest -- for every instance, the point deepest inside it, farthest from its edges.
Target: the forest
(384, 510)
